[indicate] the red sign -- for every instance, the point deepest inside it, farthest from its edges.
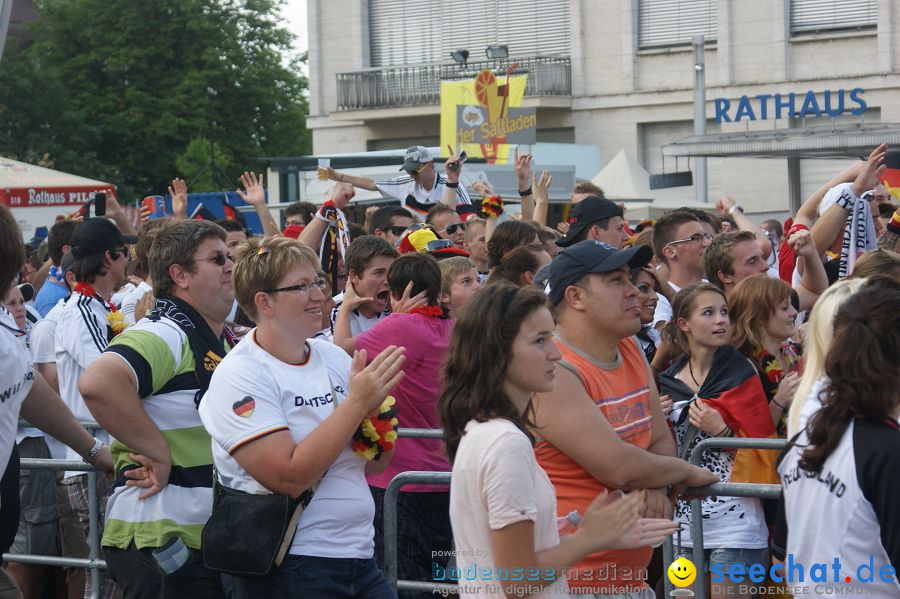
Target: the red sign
(46, 197)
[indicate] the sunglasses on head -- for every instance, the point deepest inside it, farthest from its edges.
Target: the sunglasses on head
(437, 244)
(693, 238)
(451, 229)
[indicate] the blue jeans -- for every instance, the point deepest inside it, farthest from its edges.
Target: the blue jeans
(726, 557)
(307, 577)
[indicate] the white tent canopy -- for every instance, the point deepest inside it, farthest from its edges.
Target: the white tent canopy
(624, 179)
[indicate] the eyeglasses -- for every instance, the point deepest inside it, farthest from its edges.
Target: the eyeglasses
(396, 231)
(452, 229)
(114, 254)
(693, 238)
(218, 259)
(320, 283)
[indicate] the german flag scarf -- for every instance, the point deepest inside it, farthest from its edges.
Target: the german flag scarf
(733, 389)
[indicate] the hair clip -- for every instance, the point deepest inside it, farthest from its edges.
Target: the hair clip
(263, 250)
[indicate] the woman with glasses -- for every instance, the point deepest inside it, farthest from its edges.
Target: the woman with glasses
(283, 413)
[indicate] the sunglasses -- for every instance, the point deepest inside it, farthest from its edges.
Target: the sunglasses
(693, 238)
(418, 170)
(452, 229)
(396, 231)
(218, 259)
(320, 283)
(114, 254)
(437, 244)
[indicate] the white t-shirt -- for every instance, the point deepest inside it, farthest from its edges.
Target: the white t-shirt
(43, 350)
(252, 394)
(663, 311)
(358, 323)
(81, 336)
(400, 188)
(16, 379)
(496, 482)
(130, 300)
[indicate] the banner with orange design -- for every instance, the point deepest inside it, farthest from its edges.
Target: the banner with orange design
(483, 115)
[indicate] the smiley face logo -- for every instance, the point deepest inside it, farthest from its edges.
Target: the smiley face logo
(682, 572)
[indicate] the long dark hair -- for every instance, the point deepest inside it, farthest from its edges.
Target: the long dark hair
(479, 357)
(862, 365)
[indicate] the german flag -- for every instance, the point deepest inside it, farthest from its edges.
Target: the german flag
(734, 390)
(891, 177)
(231, 213)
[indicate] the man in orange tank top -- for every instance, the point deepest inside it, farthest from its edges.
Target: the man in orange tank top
(602, 426)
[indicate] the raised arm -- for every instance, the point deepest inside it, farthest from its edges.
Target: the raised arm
(178, 193)
(255, 195)
(728, 207)
(115, 212)
(541, 193)
(355, 181)
(523, 178)
(815, 280)
(452, 171)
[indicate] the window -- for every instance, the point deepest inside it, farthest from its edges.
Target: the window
(808, 16)
(406, 32)
(675, 22)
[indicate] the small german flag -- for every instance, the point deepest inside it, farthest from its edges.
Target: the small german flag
(891, 177)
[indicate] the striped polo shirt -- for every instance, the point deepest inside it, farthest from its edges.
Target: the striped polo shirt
(163, 363)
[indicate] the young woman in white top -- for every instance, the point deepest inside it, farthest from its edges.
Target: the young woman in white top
(282, 412)
(502, 505)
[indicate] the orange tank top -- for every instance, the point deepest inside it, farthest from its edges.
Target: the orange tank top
(621, 392)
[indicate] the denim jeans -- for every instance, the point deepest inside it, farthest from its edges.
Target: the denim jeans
(139, 576)
(307, 577)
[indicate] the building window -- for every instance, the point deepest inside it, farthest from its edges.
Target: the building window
(664, 23)
(808, 16)
(409, 32)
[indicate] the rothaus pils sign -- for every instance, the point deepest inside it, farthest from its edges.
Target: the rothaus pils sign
(763, 107)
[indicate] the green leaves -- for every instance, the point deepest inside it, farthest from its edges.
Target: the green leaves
(117, 90)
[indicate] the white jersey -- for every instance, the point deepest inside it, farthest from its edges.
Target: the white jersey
(81, 336)
(848, 511)
(358, 323)
(253, 394)
(15, 382)
(415, 197)
(43, 350)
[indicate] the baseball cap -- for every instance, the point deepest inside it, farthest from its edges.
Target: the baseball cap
(424, 240)
(590, 256)
(415, 157)
(585, 213)
(97, 235)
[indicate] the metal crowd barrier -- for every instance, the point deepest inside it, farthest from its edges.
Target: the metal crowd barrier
(753, 490)
(93, 562)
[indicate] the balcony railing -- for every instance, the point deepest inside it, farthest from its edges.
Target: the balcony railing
(414, 85)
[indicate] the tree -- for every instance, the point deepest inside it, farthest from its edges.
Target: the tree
(117, 89)
(196, 163)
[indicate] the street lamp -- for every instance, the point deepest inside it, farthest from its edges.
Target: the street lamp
(497, 52)
(460, 56)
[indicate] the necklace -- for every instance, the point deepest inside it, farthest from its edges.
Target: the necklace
(691, 371)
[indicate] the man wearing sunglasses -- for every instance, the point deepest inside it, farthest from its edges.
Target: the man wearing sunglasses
(418, 190)
(448, 225)
(83, 332)
(390, 222)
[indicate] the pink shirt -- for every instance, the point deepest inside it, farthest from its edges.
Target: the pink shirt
(426, 341)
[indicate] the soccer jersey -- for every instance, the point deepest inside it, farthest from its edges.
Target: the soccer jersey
(358, 323)
(415, 197)
(160, 356)
(15, 384)
(848, 511)
(82, 334)
(254, 394)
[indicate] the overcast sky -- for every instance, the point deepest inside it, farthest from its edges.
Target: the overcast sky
(294, 12)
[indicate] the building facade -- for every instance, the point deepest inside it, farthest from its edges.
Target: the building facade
(617, 74)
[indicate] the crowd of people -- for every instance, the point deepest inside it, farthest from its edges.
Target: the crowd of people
(572, 369)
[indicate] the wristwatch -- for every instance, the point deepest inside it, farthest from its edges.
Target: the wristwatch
(94, 450)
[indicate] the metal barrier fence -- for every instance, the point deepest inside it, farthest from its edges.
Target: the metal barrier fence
(93, 562)
(753, 490)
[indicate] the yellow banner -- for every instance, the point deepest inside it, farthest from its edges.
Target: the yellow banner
(488, 91)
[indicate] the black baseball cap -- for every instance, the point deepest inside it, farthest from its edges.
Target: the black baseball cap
(585, 213)
(590, 256)
(97, 235)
